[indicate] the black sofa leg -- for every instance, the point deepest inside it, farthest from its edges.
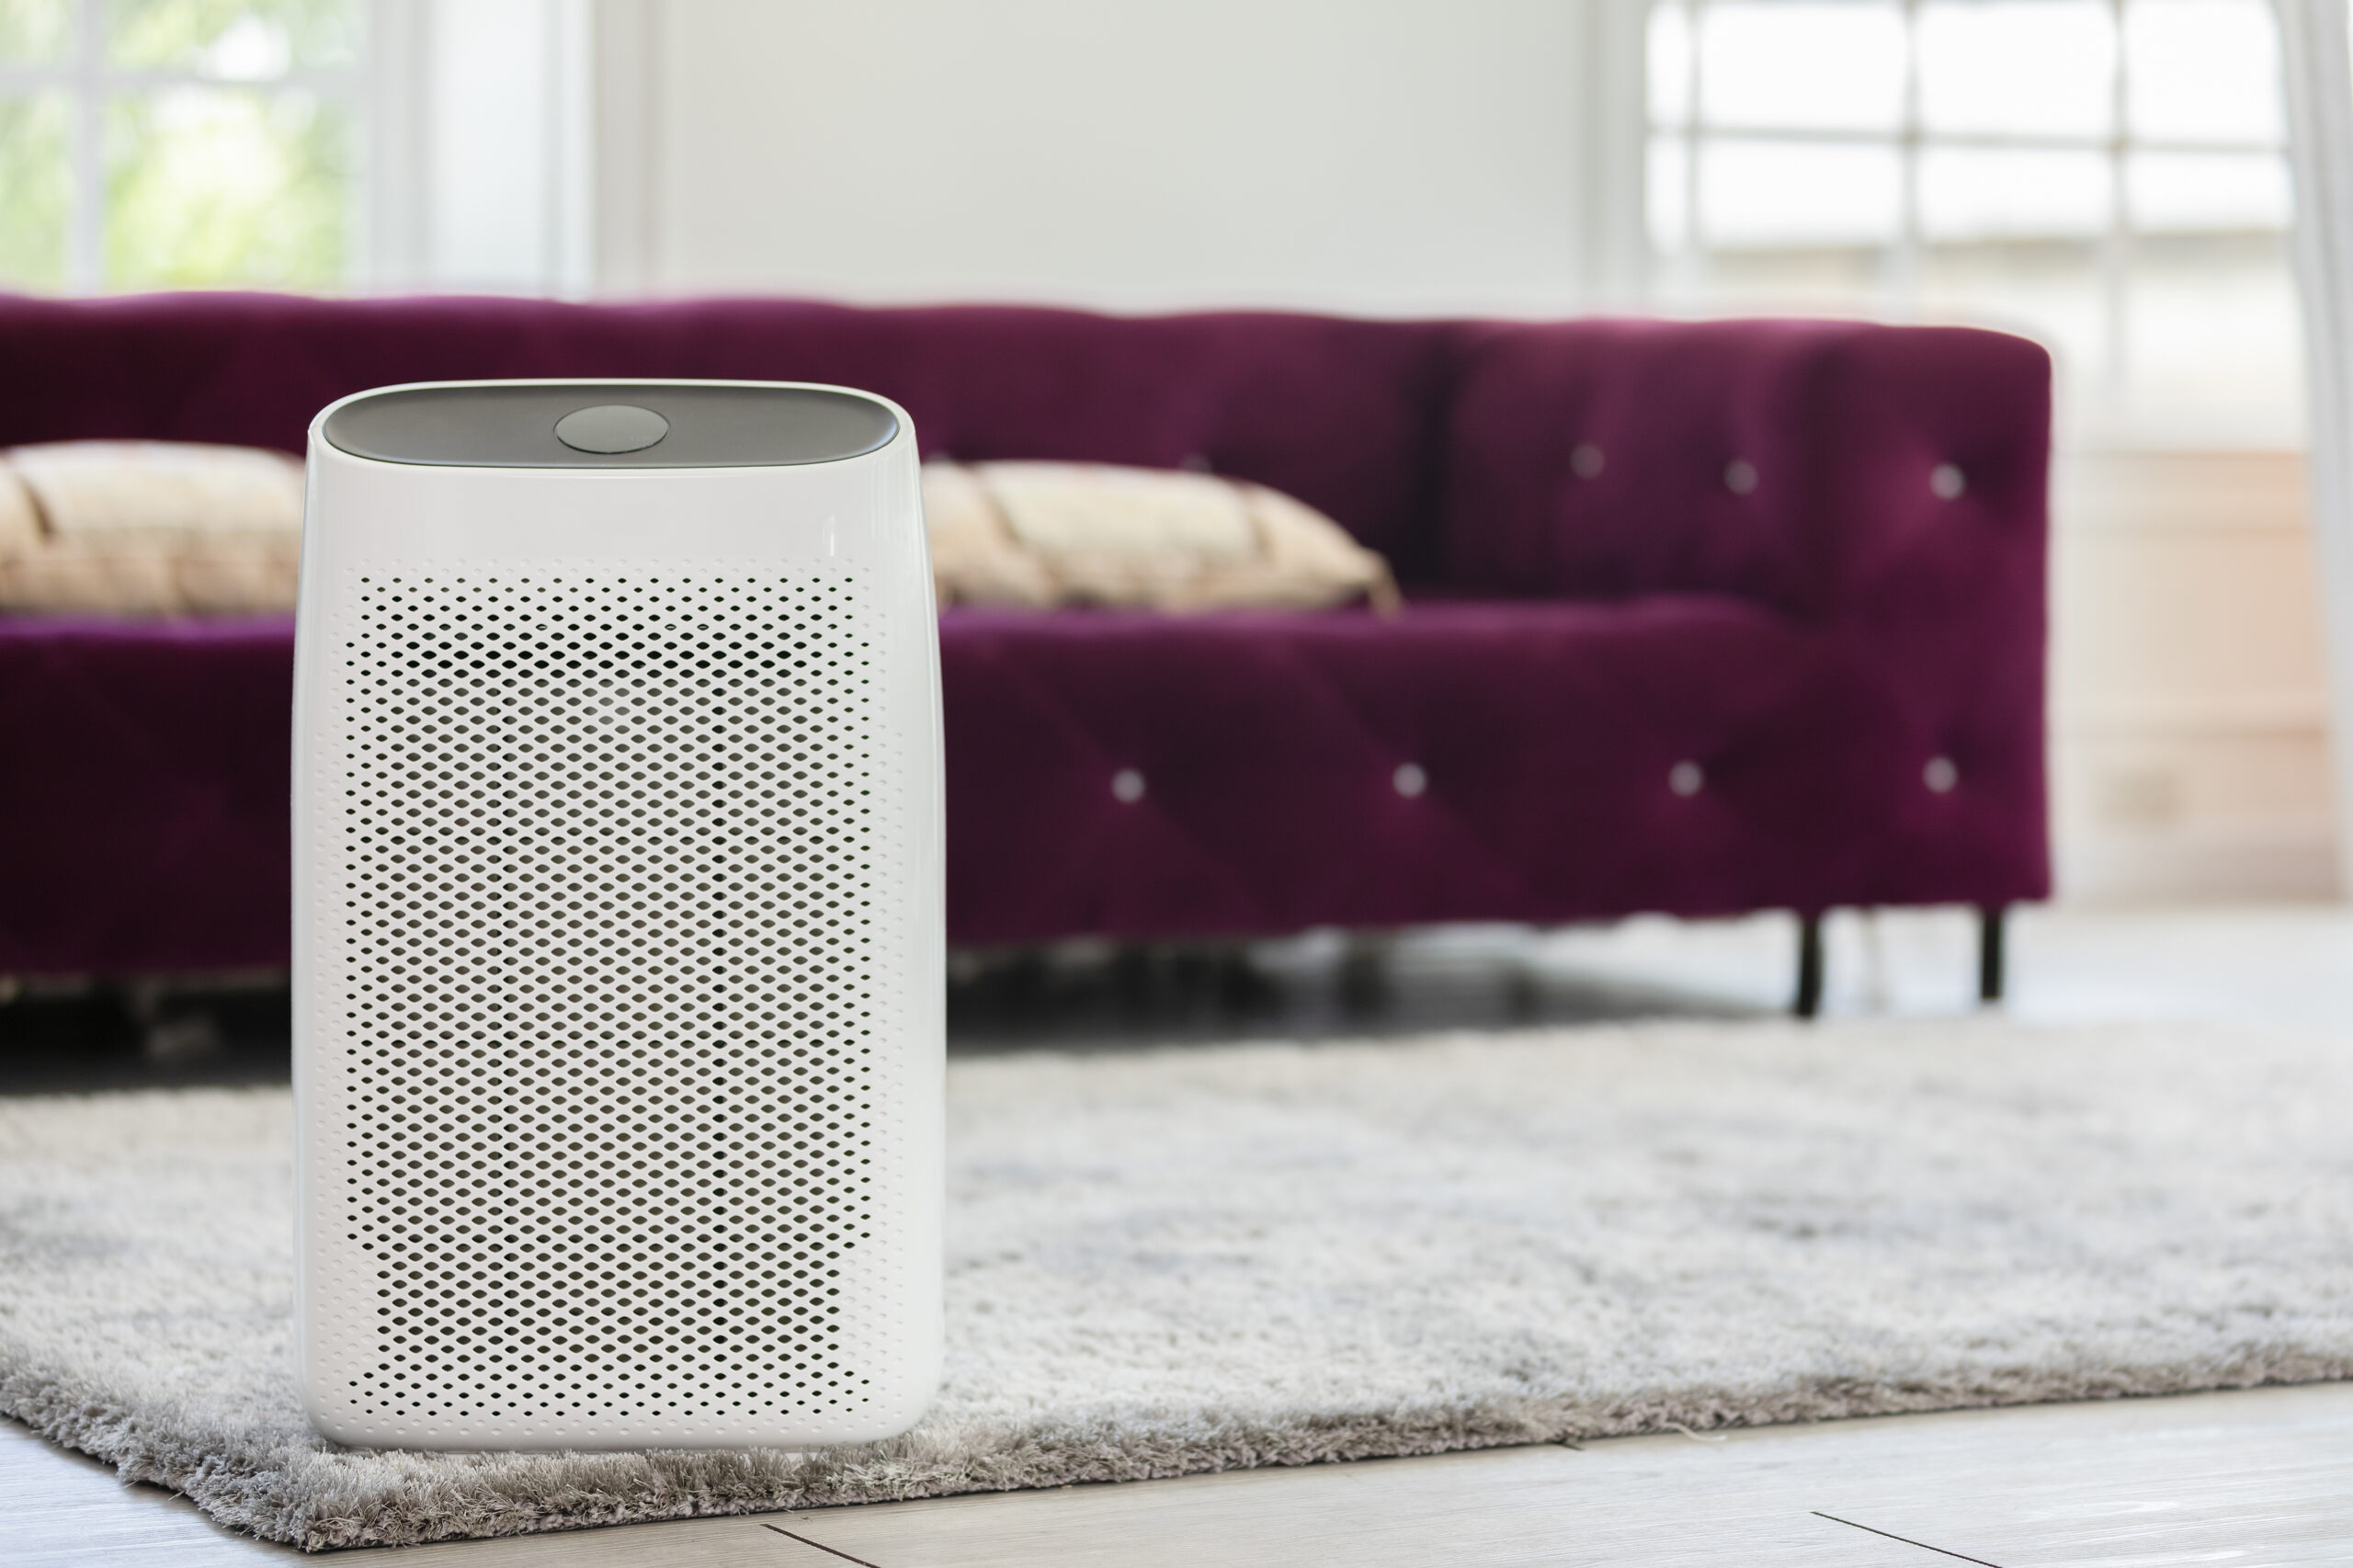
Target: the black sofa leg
(1992, 922)
(1808, 1002)
(1364, 971)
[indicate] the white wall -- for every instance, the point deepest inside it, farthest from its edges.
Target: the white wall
(1369, 156)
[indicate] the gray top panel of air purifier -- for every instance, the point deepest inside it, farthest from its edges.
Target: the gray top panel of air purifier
(513, 425)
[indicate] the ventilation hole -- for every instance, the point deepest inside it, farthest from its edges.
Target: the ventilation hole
(1585, 460)
(1686, 779)
(1409, 779)
(1127, 786)
(1947, 483)
(1940, 775)
(1740, 476)
(608, 1045)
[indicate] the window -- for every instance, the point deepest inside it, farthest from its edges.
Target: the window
(175, 143)
(2106, 174)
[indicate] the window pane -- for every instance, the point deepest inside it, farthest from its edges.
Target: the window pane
(36, 32)
(208, 186)
(36, 190)
(1668, 198)
(1668, 59)
(1768, 193)
(2018, 67)
(2213, 346)
(1982, 193)
(2208, 192)
(1803, 64)
(1836, 280)
(243, 40)
(2203, 69)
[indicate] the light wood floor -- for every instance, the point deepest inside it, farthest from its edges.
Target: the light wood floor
(2251, 1479)
(2254, 1479)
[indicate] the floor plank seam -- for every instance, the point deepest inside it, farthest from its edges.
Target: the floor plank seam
(1904, 1539)
(820, 1545)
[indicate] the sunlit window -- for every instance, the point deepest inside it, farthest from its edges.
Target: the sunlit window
(2108, 175)
(178, 143)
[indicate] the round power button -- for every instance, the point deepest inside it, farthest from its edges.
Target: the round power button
(611, 427)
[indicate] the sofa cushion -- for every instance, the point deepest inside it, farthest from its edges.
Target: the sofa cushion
(144, 803)
(1140, 776)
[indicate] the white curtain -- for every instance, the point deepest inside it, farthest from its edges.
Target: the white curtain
(2316, 50)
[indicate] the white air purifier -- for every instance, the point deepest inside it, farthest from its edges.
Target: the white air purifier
(617, 934)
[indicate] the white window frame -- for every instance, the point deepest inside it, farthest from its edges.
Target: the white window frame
(1900, 267)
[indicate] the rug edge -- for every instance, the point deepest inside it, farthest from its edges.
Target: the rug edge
(232, 1483)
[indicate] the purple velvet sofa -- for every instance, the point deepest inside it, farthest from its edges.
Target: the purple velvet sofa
(1704, 618)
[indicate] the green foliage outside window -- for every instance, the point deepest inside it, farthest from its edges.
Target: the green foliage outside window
(36, 32)
(231, 38)
(36, 190)
(213, 186)
(233, 176)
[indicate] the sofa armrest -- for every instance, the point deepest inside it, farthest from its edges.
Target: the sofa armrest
(1883, 486)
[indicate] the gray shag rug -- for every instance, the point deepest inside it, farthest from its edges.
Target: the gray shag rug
(1208, 1258)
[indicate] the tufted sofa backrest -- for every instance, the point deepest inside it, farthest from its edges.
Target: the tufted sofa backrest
(1785, 461)
(1585, 459)
(1348, 416)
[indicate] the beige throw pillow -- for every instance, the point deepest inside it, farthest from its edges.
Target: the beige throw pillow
(159, 528)
(149, 527)
(1037, 534)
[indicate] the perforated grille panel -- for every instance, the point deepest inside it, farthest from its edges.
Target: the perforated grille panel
(613, 969)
